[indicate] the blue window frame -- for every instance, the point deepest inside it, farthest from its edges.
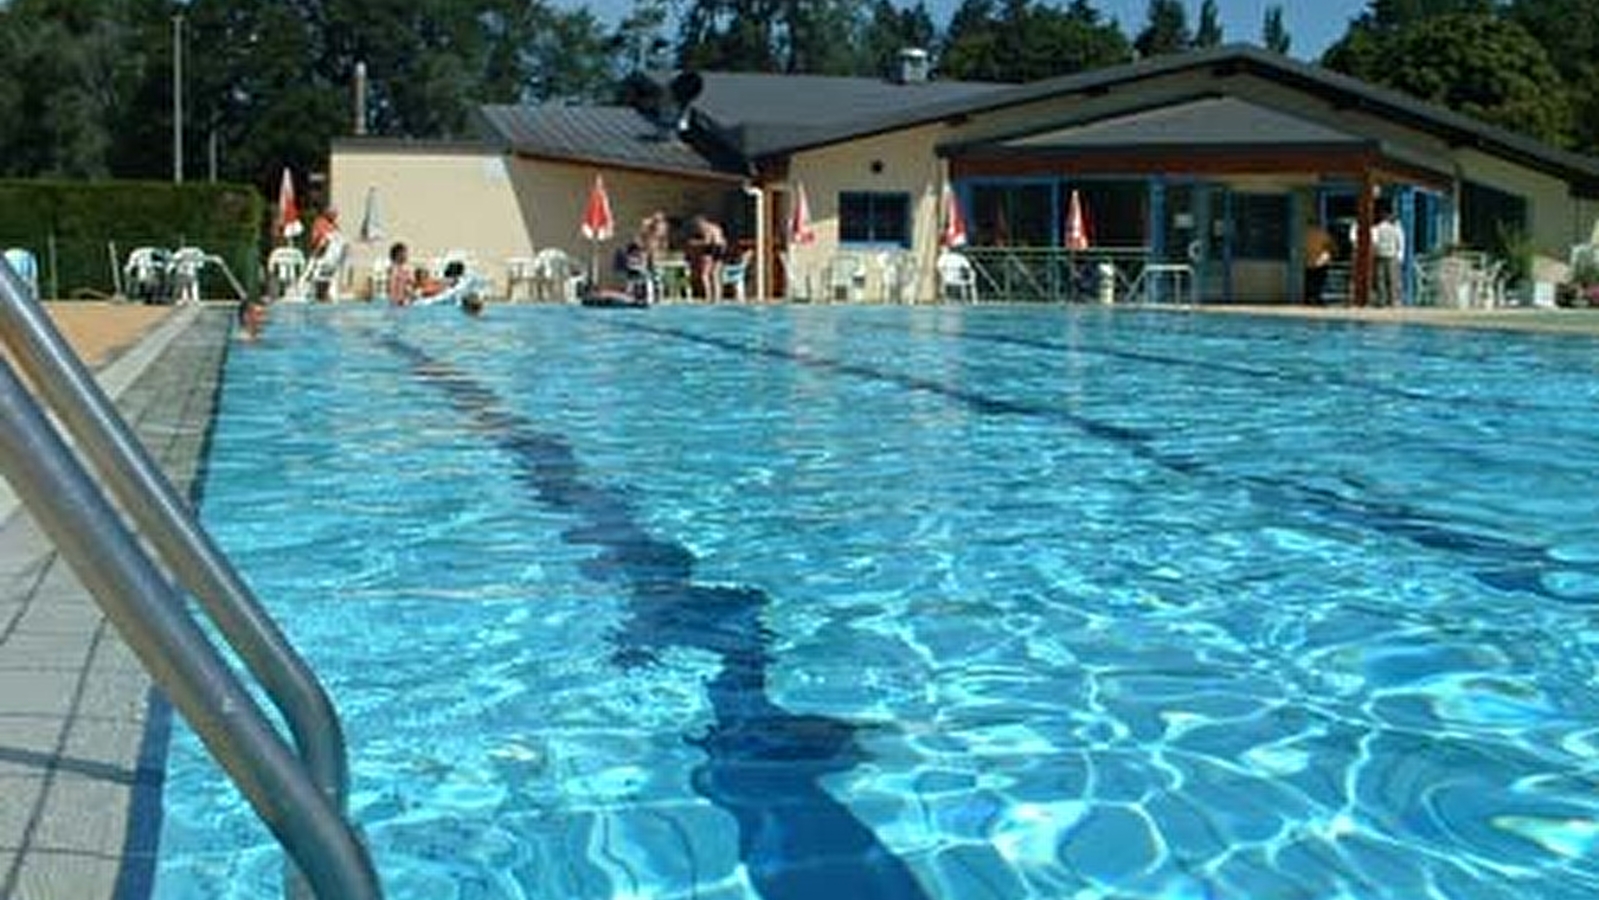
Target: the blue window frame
(866, 217)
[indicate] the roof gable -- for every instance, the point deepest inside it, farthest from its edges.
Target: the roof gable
(1201, 122)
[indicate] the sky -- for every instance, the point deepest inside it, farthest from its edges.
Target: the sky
(1312, 24)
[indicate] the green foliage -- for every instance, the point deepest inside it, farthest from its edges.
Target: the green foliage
(1209, 32)
(71, 226)
(1569, 32)
(1165, 29)
(1514, 245)
(1026, 41)
(892, 29)
(1273, 33)
(1473, 63)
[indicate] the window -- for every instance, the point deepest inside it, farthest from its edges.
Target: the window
(1012, 215)
(1260, 226)
(867, 218)
(1117, 211)
(1490, 219)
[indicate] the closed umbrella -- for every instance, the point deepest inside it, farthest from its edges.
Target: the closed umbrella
(954, 233)
(1077, 234)
(800, 230)
(372, 217)
(800, 233)
(288, 224)
(598, 224)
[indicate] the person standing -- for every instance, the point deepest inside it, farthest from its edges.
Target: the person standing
(704, 249)
(1388, 248)
(402, 282)
(323, 229)
(1319, 250)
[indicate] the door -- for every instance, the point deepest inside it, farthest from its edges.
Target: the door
(1195, 229)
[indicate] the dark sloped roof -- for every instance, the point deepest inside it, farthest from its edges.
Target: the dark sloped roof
(1191, 126)
(1202, 122)
(609, 135)
(1339, 90)
(763, 113)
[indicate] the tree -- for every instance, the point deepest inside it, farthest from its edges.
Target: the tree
(816, 36)
(892, 29)
(1027, 41)
(71, 71)
(1474, 63)
(971, 44)
(1273, 34)
(1569, 32)
(1209, 33)
(1165, 29)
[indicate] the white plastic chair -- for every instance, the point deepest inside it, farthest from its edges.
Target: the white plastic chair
(284, 266)
(518, 278)
(26, 265)
(898, 269)
(378, 277)
(146, 272)
(555, 277)
(734, 276)
(324, 268)
(957, 278)
(846, 277)
(186, 265)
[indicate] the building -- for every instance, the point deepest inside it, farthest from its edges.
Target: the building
(1209, 165)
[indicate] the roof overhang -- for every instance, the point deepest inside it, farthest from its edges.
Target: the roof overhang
(1204, 134)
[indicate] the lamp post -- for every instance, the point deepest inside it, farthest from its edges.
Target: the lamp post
(177, 98)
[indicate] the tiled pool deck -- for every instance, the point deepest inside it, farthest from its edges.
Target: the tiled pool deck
(74, 701)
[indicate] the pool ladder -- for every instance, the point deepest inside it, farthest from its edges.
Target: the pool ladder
(301, 796)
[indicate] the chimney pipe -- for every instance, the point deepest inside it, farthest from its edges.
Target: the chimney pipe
(912, 66)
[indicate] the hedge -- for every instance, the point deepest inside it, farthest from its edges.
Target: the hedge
(73, 228)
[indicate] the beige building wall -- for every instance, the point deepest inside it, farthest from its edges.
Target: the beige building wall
(900, 162)
(435, 198)
(497, 207)
(1552, 213)
(551, 197)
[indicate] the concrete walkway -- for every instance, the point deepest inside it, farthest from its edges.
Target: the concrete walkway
(79, 768)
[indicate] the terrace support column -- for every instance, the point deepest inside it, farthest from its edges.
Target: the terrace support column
(1361, 295)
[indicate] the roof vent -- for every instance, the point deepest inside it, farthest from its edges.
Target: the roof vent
(912, 66)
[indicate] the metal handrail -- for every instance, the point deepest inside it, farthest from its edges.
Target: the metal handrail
(317, 834)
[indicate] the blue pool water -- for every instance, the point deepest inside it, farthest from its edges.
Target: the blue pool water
(846, 602)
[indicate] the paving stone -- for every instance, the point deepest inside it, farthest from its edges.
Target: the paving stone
(66, 876)
(83, 814)
(19, 800)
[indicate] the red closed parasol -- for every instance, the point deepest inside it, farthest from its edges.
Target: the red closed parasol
(800, 229)
(954, 233)
(1077, 236)
(288, 223)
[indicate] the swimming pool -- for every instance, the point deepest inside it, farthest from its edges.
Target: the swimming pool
(957, 603)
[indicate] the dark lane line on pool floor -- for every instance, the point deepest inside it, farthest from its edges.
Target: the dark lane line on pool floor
(763, 764)
(1498, 563)
(1320, 376)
